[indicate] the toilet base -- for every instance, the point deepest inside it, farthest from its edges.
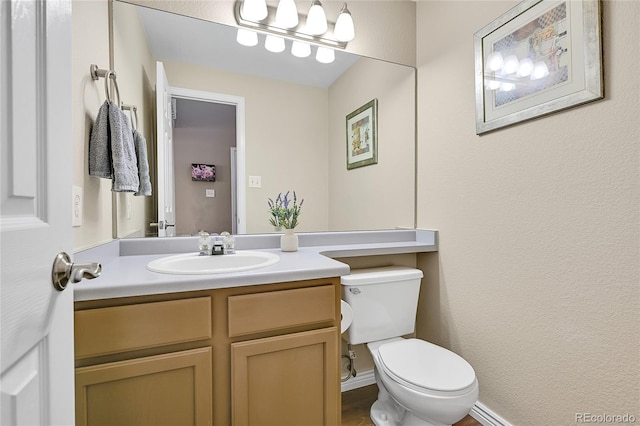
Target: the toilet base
(385, 411)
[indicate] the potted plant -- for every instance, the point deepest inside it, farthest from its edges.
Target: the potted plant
(284, 214)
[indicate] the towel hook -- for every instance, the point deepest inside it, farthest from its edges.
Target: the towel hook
(96, 73)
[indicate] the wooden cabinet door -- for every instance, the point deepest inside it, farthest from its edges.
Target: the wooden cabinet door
(288, 380)
(170, 389)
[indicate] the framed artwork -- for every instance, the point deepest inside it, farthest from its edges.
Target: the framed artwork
(203, 172)
(540, 57)
(362, 136)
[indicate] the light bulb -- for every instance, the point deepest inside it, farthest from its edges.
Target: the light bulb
(287, 14)
(274, 44)
(300, 49)
(344, 30)
(316, 19)
(495, 61)
(247, 37)
(325, 55)
(254, 10)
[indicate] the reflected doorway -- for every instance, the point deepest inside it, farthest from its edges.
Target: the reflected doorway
(210, 131)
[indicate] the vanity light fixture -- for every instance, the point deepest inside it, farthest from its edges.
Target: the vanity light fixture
(316, 19)
(287, 14)
(256, 10)
(300, 49)
(325, 55)
(284, 22)
(274, 44)
(247, 37)
(344, 30)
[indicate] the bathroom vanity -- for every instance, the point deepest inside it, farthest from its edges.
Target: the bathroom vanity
(265, 354)
(257, 347)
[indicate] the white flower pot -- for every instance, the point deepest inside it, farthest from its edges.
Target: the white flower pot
(289, 241)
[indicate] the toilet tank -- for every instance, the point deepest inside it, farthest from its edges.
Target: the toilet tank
(384, 302)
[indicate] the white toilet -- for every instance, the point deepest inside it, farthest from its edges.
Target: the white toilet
(419, 383)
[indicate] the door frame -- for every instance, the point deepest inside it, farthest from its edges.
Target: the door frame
(238, 102)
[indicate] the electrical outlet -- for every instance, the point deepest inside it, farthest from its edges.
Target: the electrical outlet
(255, 181)
(76, 206)
(210, 193)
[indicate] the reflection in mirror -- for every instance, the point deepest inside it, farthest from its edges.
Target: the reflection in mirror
(293, 132)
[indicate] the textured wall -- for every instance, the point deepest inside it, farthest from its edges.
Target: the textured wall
(537, 279)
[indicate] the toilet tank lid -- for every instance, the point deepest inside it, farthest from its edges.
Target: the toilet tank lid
(380, 275)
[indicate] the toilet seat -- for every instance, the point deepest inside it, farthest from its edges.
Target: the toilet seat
(424, 366)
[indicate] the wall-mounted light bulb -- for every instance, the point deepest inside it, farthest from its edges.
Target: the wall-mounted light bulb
(300, 49)
(287, 14)
(344, 30)
(254, 10)
(274, 44)
(247, 37)
(316, 19)
(325, 55)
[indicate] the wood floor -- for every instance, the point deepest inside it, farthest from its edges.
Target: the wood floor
(356, 404)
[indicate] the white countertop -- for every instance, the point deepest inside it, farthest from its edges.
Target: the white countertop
(126, 275)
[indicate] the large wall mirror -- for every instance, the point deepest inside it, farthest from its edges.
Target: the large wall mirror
(293, 132)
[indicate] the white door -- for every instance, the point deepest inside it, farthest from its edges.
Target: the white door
(166, 180)
(36, 375)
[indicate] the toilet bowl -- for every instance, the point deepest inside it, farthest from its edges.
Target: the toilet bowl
(420, 384)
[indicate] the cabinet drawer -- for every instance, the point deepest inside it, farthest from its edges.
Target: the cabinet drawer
(116, 329)
(276, 310)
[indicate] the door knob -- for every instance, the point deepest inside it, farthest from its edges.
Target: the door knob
(64, 271)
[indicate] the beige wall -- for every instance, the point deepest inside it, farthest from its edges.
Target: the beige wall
(536, 282)
(90, 46)
(361, 198)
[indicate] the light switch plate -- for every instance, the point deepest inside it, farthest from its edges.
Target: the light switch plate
(76, 206)
(210, 193)
(255, 181)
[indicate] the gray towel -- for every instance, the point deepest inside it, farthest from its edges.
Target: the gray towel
(143, 164)
(123, 154)
(100, 145)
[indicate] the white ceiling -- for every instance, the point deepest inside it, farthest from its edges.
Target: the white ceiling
(179, 38)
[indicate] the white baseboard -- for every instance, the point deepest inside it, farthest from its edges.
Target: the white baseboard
(363, 378)
(486, 417)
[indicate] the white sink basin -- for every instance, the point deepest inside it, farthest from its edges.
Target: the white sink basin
(193, 263)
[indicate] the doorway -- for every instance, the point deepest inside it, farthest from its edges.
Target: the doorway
(208, 129)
